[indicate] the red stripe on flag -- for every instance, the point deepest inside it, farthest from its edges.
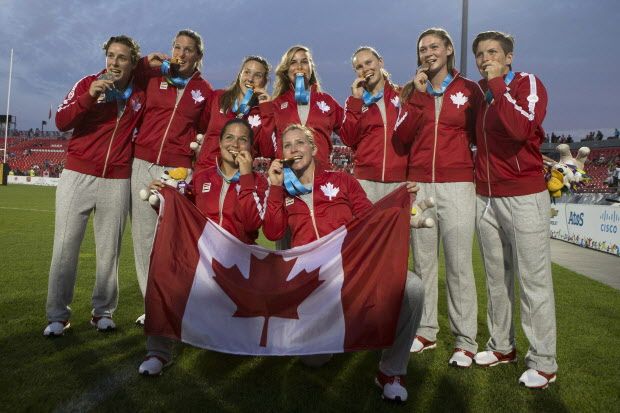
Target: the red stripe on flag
(374, 258)
(172, 268)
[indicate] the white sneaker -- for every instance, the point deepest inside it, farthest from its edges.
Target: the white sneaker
(461, 358)
(421, 344)
(152, 366)
(493, 358)
(535, 379)
(103, 323)
(56, 328)
(393, 387)
(140, 320)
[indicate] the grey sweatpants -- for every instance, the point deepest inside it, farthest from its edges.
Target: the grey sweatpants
(514, 239)
(454, 216)
(394, 360)
(143, 216)
(77, 195)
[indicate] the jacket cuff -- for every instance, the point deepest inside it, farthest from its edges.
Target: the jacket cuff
(247, 181)
(266, 108)
(497, 86)
(86, 101)
(354, 104)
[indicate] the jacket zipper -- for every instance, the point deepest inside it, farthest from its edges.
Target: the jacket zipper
(221, 203)
(316, 231)
(384, 151)
(107, 155)
(435, 142)
(161, 147)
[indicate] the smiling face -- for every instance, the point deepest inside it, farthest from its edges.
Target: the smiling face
(185, 49)
(433, 51)
(369, 67)
(492, 51)
(119, 64)
(253, 74)
(235, 138)
(300, 63)
(295, 143)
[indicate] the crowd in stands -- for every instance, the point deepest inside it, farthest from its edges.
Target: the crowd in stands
(590, 136)
(37, 153)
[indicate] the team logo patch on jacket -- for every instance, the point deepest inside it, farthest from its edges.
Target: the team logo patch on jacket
(197, 96)
(254, 121)
(459, 99)
(163, 85)
(284, 105)
(324, 107)
(289, 201)
(136, 105)
(364, 109)
(395, 101)
(329, 190)
(206, 187)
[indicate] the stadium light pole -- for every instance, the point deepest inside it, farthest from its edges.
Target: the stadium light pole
(464, 38)
(8, 103)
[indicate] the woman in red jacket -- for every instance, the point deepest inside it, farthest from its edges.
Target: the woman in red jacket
(175, 111)
(231, 195)
(241, 100)
(311, 214)
(298, 98)
(370, 116)
(438, 119)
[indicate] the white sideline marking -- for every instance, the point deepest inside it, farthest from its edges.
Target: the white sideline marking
(26, 209)
(100, 391)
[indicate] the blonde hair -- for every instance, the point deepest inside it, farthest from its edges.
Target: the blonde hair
(197, 38)
(282, 82)
(308, 132)
(372, 50)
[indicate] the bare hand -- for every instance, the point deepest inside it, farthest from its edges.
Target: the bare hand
(357, 88)
(244, 160)
(156, 185)
(492, 69)
(412, 187)
(276, 172)
(100, 86)
(262, 95)
(156, 59)
(421, 77)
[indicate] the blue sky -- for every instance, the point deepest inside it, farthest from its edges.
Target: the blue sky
(571, 45)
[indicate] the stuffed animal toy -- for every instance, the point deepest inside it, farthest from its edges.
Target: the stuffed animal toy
(197, 144)
(178, 178)
(417, 209)
(568, 174)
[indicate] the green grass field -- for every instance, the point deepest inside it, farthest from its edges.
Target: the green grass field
(86, 370)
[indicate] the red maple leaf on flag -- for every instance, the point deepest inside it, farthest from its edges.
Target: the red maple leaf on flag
(266, 293)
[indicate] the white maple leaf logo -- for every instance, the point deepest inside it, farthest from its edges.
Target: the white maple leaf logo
(395, 101)
(197, 96)
(323, 106)
(330, 190)
(254, 121)
(136, 105)
(459, 99)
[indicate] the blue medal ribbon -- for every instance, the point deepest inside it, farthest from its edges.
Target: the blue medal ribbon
(115, 95)
(243, 108)
(292, 184)
(489, 96)
(302, 95)
(370, 99)
(177, 81)
(232, 180)
(444, 85)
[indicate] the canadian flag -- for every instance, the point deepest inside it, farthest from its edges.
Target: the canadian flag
(340, 293)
